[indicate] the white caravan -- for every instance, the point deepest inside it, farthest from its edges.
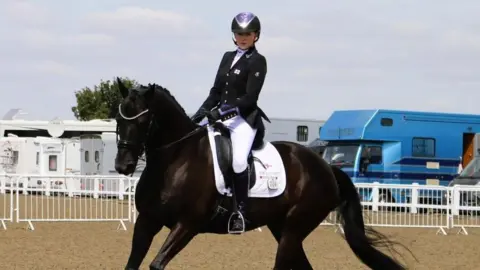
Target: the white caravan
(41, 156)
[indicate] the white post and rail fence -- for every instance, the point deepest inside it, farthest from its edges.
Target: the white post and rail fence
(32, 199)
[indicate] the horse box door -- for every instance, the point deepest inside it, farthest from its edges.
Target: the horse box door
(91, 148)
(468, 145)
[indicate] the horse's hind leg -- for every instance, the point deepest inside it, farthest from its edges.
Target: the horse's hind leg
(144, 231)
(301, 261)
(300, 221)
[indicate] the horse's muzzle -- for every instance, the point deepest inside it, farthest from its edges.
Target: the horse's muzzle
(125, 168)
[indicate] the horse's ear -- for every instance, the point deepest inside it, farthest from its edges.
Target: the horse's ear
(149, 93)
(122, 88)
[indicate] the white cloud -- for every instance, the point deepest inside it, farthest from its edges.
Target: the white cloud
(42, 39)
(89, 40)
(36, 38)
(283, 45)
(411, 28)
(338, 73)
(461, 39)
(25, 13)
(54, 68)
(134, 20)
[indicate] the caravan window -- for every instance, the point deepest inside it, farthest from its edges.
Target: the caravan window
(52, 163)
(97, 156)
(15, 158)
(423, 147)
(37, 161)
(87, 156)
(302, 133)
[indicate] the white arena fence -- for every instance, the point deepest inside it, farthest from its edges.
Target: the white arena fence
(110, 198)
(67, 198)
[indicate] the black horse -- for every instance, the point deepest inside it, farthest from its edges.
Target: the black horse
(178, 189)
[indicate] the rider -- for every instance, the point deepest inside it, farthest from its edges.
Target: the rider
(238, 82)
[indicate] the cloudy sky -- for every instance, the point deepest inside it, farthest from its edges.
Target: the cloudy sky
(322, 55)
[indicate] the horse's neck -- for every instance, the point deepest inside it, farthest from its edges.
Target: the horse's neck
(173, 129)
(172, 121)
(167, 130)
(165, 134)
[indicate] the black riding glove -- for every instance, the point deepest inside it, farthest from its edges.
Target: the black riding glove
(199, 115)
(213, 116)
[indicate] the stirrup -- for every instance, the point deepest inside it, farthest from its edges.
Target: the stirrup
(240, 216)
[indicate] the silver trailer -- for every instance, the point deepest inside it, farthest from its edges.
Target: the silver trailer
(302, 131)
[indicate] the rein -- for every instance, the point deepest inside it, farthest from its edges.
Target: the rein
(188, 135)
(135, 145)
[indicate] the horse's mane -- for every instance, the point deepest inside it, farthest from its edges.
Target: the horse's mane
(141, 89)
(164, 91)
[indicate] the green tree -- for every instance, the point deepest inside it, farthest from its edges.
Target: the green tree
(101, 102)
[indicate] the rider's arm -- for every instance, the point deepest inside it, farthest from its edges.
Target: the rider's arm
(256, 77)
(215, 92)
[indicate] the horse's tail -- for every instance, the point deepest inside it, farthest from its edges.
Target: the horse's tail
(351, 218)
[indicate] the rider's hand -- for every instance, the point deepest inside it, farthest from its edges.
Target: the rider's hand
(199, 115)
(213, 116)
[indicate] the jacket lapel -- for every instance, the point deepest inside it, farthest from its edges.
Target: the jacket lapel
(246, 55)
(229, 62)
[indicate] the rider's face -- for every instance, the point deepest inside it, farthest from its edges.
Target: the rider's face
(245, 40)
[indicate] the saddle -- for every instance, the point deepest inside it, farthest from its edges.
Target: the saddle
(223, 146)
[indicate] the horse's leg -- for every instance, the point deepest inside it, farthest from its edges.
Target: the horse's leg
(177, 239)
(300, 221)
(301, 262)
(144, 231)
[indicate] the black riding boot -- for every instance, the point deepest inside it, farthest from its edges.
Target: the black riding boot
(237, 220)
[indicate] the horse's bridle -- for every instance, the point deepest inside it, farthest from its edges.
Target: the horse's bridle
(127, 144)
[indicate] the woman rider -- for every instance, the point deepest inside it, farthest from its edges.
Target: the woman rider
(233, 100)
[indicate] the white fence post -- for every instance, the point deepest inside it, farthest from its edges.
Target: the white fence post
(414, 199)
(375, 196)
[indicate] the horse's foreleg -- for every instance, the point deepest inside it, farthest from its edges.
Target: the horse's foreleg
(179, 237)
(144, 231)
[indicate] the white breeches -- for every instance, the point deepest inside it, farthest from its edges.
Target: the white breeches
(242, 136)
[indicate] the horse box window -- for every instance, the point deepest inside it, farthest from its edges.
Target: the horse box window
(423, 147)
(302, 133)
(375, 154)
(52, 163)
(386, 122)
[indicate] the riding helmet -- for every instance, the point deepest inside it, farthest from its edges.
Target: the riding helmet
(246, 22)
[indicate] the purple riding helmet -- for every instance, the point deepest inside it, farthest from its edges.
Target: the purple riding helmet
(246, 22)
